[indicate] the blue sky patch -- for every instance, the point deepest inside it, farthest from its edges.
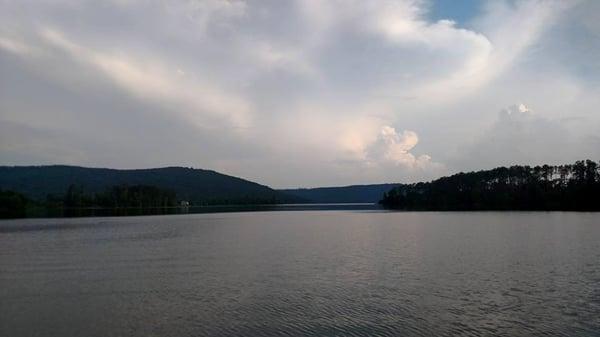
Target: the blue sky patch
(460, 11)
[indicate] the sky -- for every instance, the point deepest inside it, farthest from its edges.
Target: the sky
(300, 93)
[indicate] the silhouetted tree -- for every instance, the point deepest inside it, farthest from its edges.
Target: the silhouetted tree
(12, 204)
(565, 187)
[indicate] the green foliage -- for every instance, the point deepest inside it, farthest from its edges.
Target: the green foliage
(12, 204)
(122, 196)
(565, 187)
(200, 187)
(139, 196)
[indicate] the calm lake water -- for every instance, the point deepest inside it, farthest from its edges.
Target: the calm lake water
(302, 273)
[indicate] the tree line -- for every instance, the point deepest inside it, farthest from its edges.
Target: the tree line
(120, 196)
(126, 198)
(564, 187)
(14, 204)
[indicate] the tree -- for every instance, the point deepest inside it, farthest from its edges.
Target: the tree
(565, 187)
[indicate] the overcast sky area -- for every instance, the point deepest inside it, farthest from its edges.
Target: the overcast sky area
(300, 93)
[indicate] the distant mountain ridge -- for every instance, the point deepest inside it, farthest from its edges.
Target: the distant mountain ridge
(195, 185)
(342, 194)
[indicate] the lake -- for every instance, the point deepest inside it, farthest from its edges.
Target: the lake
(303, 273)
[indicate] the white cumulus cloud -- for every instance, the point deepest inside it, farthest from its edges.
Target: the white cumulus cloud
(395, 148)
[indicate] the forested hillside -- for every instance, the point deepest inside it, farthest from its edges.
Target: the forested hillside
(343, 194)
(194, 185)
(564, 187)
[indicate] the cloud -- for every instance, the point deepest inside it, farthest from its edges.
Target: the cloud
(14, 46)
(503, 35)
(387, 153)
(148, 79)
(303, 92)
(394, 148)
(522, 136)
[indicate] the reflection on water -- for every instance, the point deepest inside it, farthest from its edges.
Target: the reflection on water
(133, 211)
(310, 273)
